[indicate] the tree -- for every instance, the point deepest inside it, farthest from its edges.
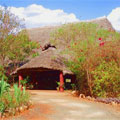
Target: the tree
(15, 45)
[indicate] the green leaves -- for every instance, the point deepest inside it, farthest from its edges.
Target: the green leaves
(17, 94)
(21, 97)
(106, 80)
(15, 45)
(97, 66)
(13, 99)
(21, 47)
(4, 86)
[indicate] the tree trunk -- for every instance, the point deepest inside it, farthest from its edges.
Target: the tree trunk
(89, 82)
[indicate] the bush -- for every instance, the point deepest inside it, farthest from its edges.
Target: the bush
(12, 99)
(20, 96)
(106, 80)
(89, 47)
(4, 87)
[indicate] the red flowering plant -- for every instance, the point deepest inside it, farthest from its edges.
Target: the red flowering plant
(100, 39)
(89, 47)
(101, 42)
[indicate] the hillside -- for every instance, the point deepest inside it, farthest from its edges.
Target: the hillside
(42, 35)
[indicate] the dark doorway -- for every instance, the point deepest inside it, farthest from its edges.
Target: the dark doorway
(46, 80)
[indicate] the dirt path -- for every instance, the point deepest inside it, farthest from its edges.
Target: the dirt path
(52, 105)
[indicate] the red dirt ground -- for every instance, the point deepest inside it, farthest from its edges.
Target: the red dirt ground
(37, 112)
(53, 105)
(44, 110)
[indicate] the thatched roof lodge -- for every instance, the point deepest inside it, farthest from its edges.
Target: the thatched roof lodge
(49, 67)
(45, 69)
(48, 60)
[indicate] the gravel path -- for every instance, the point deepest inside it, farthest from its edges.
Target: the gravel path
(53, 105)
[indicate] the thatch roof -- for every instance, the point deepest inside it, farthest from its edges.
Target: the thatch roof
(48, 60)
(103, 22)
(42, 35)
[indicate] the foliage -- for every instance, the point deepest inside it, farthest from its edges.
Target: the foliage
(20, 96)
(4, 86)
(2, 73)
(73, 86)
(58, 84)
(21, 47)
(12, 99)
(71, 33)
(15, 45)
(106, 80)
(25, 81)
(35, 54)
(89, 47)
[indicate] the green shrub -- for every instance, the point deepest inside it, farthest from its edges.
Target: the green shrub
(88, 47)
(58, 84)
(25, 82)
(73, 86)
(20, 96)
(4, 87)
(13, 99)
(2, 106)
(106, 80)
(2, 73)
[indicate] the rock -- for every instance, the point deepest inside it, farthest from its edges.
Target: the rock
(21, 109)
(3, 116)
(0, 114)
(81, 96)
(75, 93)
(89, 98)
(14, 111)
(114, 103)
(17, 109)
(25, 107)
(30, 102)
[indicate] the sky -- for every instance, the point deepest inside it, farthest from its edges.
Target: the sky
(39, 13)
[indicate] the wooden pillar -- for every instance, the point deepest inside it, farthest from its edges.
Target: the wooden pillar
(61, 82)
(20, 78)
(73, 78)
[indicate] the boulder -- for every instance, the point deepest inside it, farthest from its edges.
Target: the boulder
(81, 96)
(114, 103)
(0, 115)
(21, 109)
(89, 98)
(75, 93)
